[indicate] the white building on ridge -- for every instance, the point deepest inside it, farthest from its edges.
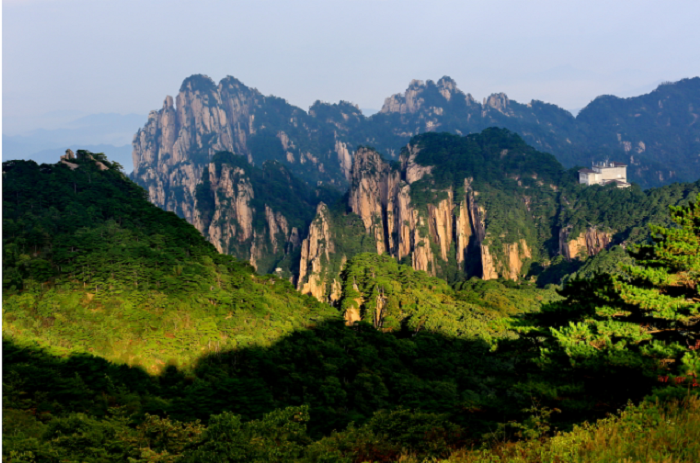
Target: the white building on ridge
(604, 173)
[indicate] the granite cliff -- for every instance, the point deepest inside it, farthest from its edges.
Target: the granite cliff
(207, 118)
(442, 229)
(256, 214)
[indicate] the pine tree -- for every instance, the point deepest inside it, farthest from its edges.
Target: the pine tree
(617, 335)
(662, 292)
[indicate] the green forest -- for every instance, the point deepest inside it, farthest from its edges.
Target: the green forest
(128, 338)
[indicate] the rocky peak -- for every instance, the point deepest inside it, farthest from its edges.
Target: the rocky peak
(408, 103)
(343, 115)
(416, 84)
(68, 156)
(367, 162)
(497, 101)
(168, 103)
(588, 243)
(198, 83)
(447, 87)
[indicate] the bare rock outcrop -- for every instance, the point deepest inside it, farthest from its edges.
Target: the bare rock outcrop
(69, 156)
(224, 213)
(588, 243)
(448, 229)
(516, 253)
(205, 118)
(344, 158)
(316, 250)
(372, 192)
(232, 220)
(412, 170)
(488, 264)
(409, 102)
(498, 102)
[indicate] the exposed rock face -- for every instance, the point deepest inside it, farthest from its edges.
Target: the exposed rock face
(315, 254)
(352, 315)
(412, 171)
(173, 154)
(207, 118)
(82, 155)
(233, 215)
(488, 264)
(516, 253)
(499, 102)
(409, 102)
(372, 194)
(224, 212)
(588, 243)
(68, 156)
(344, 158)
(450, 229)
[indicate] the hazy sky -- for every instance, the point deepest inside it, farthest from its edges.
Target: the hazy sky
(125, 56)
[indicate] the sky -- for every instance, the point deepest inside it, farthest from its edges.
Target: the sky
(124, 56)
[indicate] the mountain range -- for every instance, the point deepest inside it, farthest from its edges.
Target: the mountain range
(655, 134)
(485, 205)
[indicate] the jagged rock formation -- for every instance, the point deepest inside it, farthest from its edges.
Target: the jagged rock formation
(67, 158)
(255, 214)
(447, 234)
(207, 118)
(316, 250)
(174, 152)
(651, 133)
(84, 155)
(372, 196)
(483, 205)
(588, 243)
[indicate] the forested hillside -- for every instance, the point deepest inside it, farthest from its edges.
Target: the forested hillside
(128, 311)
(89, 265)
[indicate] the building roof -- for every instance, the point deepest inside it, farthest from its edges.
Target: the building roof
(608, 165)
(586, 171)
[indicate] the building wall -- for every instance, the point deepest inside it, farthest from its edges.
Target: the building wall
(613, 173)
(589, 178)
